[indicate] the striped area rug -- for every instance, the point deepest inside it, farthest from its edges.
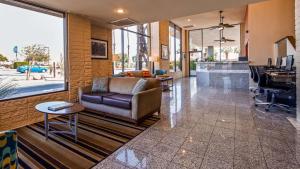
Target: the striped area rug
(98, 137)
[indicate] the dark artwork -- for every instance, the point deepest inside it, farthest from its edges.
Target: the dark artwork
(99, 49)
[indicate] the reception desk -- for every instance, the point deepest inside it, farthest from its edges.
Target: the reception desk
(228, 75)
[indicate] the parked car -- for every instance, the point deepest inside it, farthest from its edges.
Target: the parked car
(34, 69)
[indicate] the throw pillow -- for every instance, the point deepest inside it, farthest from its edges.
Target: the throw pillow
(139, 86)
(146, 73)
(100, 84)
(129, 74)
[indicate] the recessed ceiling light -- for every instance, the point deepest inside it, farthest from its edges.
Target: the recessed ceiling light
(189, 20)
(120, 11)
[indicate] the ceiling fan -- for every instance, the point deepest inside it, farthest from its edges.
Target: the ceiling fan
(222, 25)
(223, 39)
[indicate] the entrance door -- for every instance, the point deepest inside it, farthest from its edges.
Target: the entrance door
(194, 58)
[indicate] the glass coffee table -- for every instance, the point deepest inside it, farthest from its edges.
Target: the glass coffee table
(72, 111)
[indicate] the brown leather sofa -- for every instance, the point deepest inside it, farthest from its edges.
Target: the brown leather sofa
(120, 103)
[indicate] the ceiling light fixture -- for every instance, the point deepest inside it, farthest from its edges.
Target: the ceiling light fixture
(120, 11)
(189, 20)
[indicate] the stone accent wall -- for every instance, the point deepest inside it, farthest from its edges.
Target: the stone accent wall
(102, 67)
(79, 52)
(297, 57)
(21, 112)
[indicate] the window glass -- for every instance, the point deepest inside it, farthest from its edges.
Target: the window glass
(131, 48)
(229, 48)
(32, 52)
(172, 48)
(175, 48)
(178, 59)
(117, 51)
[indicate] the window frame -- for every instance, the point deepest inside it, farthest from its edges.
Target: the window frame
(176, 28)
(52, 12)
(123, 30)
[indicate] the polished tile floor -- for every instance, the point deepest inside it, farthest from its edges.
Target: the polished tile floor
(211, 128)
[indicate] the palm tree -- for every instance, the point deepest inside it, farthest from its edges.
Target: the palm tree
(7, 88)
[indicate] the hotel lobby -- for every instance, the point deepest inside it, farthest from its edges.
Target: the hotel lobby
(150, 84)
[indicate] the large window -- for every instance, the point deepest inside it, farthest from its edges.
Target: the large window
(131, 48)
(175, 48)
(32, 51)
(206, 42)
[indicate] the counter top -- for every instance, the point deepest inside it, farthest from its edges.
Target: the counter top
(229, 65)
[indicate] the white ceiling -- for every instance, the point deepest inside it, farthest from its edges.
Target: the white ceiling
(210, 35)
(103, 11)
(208, 19)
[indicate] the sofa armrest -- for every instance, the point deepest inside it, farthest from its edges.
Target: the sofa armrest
(82, 90)
(146, 102)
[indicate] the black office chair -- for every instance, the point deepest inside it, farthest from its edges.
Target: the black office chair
(254, 77)
(282, 99)
(252, 89)
(263, 87)
(251, 71)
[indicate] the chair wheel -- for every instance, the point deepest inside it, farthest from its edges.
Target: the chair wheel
(267, 110)
(255, 105)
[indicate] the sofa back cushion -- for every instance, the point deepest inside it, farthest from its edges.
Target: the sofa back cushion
(139, 86)
(136, 73)
(122, 85)
(146, 73)
(100, 84)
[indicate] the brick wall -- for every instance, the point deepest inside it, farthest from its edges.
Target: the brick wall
(102, 67)
(20, 112)
(79, 52)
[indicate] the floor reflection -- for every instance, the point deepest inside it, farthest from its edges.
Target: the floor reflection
(209, 127)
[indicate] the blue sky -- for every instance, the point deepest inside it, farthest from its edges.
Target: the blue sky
(21, 27)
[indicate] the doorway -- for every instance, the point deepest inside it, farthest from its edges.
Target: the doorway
(194, 58)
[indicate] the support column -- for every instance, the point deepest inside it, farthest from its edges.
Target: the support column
(297, 57)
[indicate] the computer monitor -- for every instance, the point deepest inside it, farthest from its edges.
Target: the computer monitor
(278, 62)
(289, 63)
(269, 62)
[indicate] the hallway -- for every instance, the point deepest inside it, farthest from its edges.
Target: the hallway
(211, 128)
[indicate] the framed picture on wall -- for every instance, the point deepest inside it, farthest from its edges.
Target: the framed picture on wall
(99, 49)
(164, 52)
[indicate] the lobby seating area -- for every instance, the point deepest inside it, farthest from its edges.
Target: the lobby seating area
(132, 99)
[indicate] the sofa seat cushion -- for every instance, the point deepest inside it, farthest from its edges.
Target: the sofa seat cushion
(95, 97)
(118, 100)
